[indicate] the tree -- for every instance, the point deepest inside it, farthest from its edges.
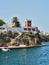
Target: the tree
(16, 22)
(1, 22)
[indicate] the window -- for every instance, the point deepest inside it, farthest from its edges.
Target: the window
(29, 21)
(29, 24)
(25, 28)
(29, 28)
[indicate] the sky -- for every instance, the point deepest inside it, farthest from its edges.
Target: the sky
(36, 10)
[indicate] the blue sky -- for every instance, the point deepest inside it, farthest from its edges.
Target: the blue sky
(36, 10)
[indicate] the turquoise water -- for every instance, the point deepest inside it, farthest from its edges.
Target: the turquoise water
(28, 56)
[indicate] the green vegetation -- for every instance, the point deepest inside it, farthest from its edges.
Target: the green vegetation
(15, 19)
(30, 32)
(16, 22)
(2, 22)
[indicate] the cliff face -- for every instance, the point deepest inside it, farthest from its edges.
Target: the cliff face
(25, 39)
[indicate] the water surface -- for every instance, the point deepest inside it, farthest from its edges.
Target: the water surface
(26, 56)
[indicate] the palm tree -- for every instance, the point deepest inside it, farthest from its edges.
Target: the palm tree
(16, 22)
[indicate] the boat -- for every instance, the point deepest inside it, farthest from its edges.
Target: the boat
(5, 49)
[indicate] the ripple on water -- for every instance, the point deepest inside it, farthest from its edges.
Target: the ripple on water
(30, 56)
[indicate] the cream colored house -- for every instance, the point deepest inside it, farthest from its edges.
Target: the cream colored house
(10, 25)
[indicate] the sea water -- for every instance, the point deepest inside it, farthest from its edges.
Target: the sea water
(26, 56)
